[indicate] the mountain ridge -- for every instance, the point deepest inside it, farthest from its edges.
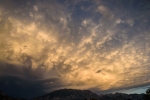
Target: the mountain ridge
(68, 94)
(74, 94)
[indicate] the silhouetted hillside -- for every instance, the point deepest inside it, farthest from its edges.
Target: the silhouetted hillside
(73, 94)
(68, 94)
(121, 96)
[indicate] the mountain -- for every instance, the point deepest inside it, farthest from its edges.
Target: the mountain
(68, 94)
(4, 96)
(73, 94)
(121, 96)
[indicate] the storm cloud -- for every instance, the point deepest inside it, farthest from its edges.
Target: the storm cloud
(98, 45)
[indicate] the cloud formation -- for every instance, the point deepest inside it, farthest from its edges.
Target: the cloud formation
(73, 44)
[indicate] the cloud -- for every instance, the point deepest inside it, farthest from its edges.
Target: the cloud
(49, 45)
(25, 87)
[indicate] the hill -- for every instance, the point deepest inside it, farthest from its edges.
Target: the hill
(68, 94)
(73, 94)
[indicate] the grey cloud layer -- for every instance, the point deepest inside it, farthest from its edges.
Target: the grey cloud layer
(78, 44)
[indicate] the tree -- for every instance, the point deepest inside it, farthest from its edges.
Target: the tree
(147, 95)
(93, 99)
(129, 99)
(85, 99)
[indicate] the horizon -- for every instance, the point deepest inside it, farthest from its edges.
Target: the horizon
(102, 94)
(101, 46)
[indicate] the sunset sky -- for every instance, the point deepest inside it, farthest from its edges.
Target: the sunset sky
(99, 45)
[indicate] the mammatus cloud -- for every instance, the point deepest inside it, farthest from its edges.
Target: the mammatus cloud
(50, 41)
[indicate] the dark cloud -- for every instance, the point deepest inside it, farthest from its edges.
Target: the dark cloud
(26, 88)
(98, 45)
(23, 82)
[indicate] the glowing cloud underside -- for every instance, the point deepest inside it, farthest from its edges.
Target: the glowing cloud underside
(47, 40)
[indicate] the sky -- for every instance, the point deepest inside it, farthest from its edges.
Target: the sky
(97, 45)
